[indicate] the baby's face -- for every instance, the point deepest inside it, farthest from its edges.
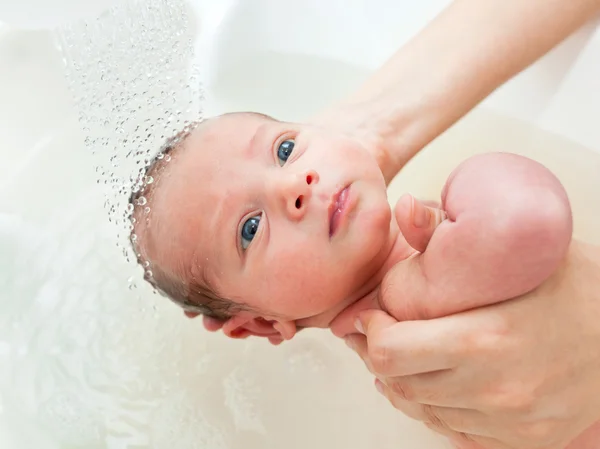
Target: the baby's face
(286, 219)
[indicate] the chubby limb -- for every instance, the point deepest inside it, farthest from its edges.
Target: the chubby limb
(418, 220)
(508, 228)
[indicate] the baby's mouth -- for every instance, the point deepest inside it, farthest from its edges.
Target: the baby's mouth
(337, 209)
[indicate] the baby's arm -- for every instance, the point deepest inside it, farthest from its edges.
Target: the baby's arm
(508, 228)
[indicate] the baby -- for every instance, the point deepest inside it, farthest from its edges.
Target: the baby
(277, 227)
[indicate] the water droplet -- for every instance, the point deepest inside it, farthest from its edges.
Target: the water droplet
(149, 179)
(130, 208)
(146, 264)
(149, 274)
(142, 201)
(133, 237)
(167, 157)
(147, 210)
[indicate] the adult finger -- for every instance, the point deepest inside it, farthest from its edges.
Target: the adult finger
(446, 388)
(409, 347)
(463, 440)
(427, 388)
(358, 343)
(455, 419)
(411, 409)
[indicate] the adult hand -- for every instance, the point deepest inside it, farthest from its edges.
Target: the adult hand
(521, 374)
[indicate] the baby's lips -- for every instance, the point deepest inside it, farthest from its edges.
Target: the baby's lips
(344, 324)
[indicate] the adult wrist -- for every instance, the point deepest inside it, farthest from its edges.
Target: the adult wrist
(401, 129)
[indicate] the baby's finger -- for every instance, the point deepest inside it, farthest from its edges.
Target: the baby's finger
(431, 203)
(417, 221)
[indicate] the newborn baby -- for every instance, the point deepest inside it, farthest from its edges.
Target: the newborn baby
(278, 227)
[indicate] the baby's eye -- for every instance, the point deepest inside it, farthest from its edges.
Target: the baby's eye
(284, 151)
(249, 229)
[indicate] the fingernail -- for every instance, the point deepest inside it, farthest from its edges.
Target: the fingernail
(359, 327)
(420, 214)
(379, 386)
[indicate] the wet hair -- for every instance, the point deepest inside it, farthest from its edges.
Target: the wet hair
(195, 295)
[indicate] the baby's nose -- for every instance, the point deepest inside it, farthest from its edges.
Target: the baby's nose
(296, 192)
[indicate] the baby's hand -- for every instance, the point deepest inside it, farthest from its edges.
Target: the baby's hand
(417, 220)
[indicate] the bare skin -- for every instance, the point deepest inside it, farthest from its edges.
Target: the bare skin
(508, 229)
(323, 236)
(484, 245)
(456, 61)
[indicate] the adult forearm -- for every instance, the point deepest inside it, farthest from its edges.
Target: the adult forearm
(462, 56)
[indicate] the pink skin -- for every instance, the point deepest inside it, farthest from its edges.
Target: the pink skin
(508, 229)
(515, 225)
(293, 273)
(503, 227)
(527, 220)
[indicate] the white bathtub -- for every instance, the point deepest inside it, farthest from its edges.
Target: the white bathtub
(87, 363)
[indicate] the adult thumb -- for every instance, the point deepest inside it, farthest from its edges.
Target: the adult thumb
(373, 320)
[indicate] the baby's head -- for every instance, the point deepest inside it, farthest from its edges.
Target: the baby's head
(270, 224)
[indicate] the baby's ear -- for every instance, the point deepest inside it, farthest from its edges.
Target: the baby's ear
(244, 326)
